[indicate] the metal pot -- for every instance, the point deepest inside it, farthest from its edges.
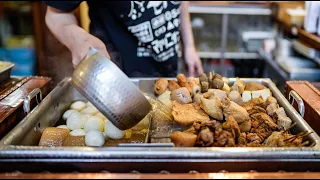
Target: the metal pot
(110, 90)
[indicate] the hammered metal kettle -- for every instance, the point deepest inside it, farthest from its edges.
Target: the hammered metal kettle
(111, 91)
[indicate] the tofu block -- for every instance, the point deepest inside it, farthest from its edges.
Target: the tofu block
(53, 136)
(74, 141)
(246, 96)
(265, 93)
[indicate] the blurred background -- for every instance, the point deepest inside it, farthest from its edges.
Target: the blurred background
(234, 38)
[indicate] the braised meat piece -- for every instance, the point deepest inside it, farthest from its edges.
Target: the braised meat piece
(256, 109)
(263, 125)
(231, 108)
(224, 139)
(232, 126)
(187, 114)
(183, 139)
(254, 102)
(254, 138)
(205, 138)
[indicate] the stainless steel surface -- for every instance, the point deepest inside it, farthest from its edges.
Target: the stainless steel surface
(223, 48)
(110, 90)
(229, 10)
(31, 95)
(20, 144)
(228, 55)
(310, 74)
(305, 50)
(294, 96)
(283, 47)
(5, 72)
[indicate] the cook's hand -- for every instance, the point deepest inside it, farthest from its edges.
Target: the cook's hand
(193, 62)
(80, 47)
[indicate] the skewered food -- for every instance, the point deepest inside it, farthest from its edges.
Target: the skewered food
(181, 95)
(74, 141)
(160, 86)
(245, 115)
(196, 98)
(219, 93)
(173, 85)
(53, 136)
(231, 108)
(235, 96)
(238, 86)
(183, 139)
(211, 105)
(186, 114)
(183, 82)
(253, 86)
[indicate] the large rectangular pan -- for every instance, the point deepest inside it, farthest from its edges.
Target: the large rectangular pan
(6, 72)
(22, 140)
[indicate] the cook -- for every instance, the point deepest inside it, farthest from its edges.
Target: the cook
(141, 37)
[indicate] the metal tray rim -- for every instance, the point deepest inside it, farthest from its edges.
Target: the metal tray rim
(7, 151)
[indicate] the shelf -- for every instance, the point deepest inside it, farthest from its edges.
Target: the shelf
(311, 39)
(229, 55)
(237, 10)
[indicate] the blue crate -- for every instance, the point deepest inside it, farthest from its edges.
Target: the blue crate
(23, 58)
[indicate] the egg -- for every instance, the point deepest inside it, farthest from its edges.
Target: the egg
(67, 114)
(89, 104)
(99, 114)
(112, 131)
(93, 123)
(77, 132)
(89, 110)
(75, 121)
(78, 105)
(94, 138)
(63, 127)
(143, 124)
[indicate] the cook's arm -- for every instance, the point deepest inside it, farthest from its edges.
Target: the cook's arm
(191, 57)
(65, 28)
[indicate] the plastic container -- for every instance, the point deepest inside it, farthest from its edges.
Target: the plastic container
(23, 58)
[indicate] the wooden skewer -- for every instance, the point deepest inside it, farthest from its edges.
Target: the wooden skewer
(295, 136)
(290, 127)
(304, 143)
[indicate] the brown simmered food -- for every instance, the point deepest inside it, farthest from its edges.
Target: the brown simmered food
(173, 85)
(235, 96)
(74, 141)
(53, 136)
(217, 83)
(219, 116)
(253, 86)
(231, 108)
(238, 85)
(219, 93)
(204, 86)
(160, 86)
(183, 139)
(187, 114)
(181, 95)
(211, 105)
(183, 82)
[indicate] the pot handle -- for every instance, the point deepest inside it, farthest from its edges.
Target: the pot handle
(27, 100)
(295, 96)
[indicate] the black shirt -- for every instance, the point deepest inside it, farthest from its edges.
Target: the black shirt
(142, 37)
